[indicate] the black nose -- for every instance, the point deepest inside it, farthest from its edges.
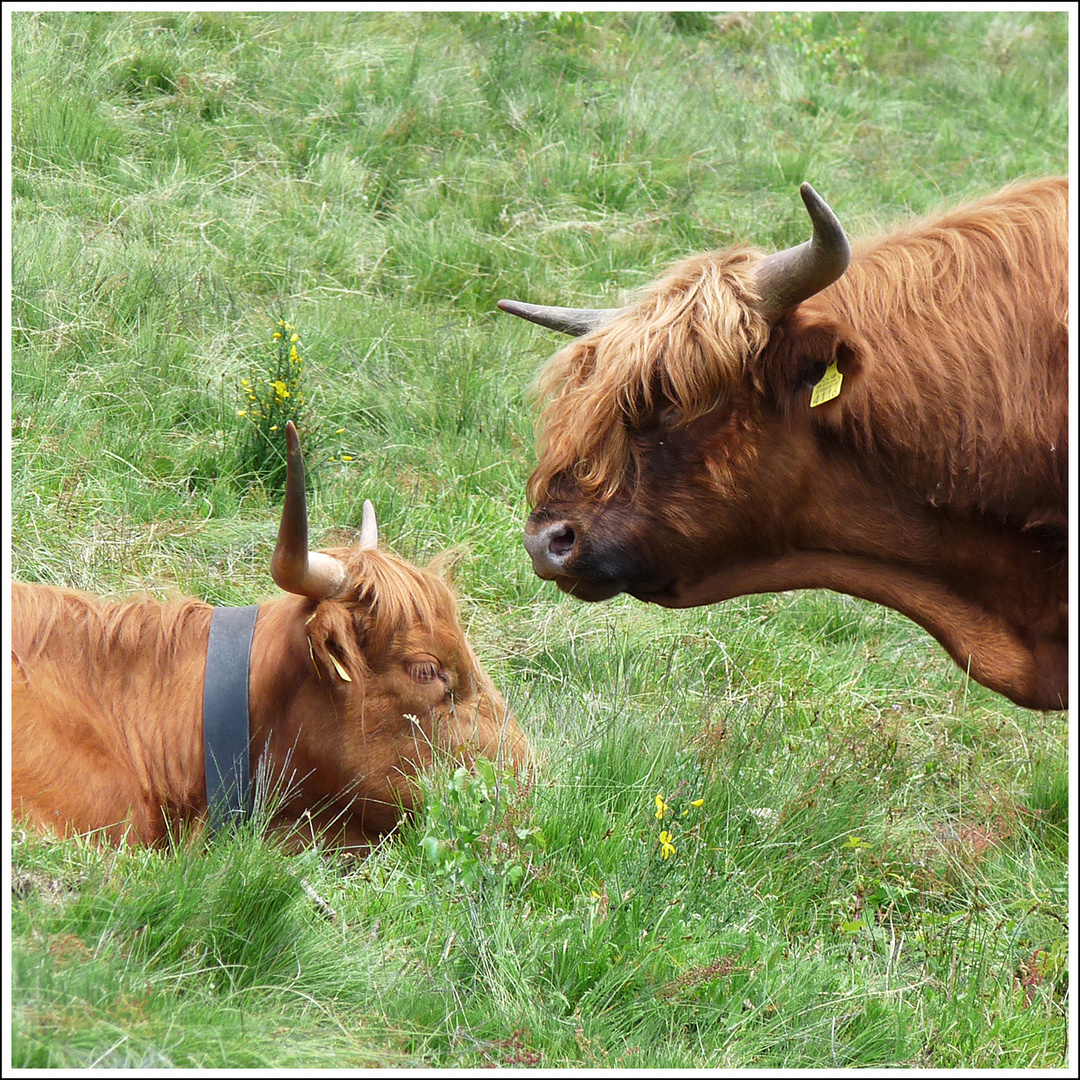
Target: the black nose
(551, 546)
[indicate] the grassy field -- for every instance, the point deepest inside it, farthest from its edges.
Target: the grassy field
(867, 854)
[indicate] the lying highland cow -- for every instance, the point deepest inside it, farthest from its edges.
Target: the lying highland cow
(355, 682)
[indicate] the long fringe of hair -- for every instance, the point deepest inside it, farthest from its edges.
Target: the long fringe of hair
(954, 309)
(390, 597)
(684, 344)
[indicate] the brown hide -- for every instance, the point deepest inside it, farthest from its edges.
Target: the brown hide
(681, 462)
(107, 705)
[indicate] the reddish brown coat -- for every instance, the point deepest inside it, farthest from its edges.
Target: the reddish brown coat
(107, 705)
(680, 459)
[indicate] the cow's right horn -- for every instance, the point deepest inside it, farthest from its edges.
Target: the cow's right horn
(572, 321)
(789, 277)
(293, 567)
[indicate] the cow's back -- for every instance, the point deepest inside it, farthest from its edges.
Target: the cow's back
(105, 703)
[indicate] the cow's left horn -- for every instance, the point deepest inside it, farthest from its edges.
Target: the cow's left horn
(293, 567)
(792, 276)
(369, 529)
(572, 321)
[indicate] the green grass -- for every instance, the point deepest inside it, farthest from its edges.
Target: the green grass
(876, 874)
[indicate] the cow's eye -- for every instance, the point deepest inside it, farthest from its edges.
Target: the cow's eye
(654, 432)
(425, 669)
(660, 422)
(669, 416)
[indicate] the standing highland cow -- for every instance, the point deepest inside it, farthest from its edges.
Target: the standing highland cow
(889, 423)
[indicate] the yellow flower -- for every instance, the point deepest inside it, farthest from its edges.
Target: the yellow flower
(277, 336)
(295, 338)
(698, 802)
(661, 808)
(667, 848)
(346, 457)
(241, 412)
(280, 389)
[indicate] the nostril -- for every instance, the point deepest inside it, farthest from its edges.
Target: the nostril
(551, 546)
(562, 541)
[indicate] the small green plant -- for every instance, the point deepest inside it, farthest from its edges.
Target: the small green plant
(474, 829)
(832, 48)
(271, 396)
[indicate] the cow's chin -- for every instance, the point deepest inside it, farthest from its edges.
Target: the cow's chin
(591, 591)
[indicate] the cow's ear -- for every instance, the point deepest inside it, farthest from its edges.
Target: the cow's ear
(805, 356)
(335, 647)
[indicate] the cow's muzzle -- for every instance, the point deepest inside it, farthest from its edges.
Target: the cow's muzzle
(578, 563)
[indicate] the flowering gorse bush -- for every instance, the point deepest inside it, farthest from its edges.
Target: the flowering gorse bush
(271, 396)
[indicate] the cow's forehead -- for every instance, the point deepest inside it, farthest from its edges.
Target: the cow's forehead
(413, 608)
(687, 343)
(445, 642)
(397, 585)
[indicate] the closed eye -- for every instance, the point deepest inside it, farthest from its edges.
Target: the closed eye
(655, 429)
(426, 670)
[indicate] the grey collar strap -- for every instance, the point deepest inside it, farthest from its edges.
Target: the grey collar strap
(225, 715)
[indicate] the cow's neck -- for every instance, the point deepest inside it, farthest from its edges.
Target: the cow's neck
(285, 689)
(936, 409)
(993, 594)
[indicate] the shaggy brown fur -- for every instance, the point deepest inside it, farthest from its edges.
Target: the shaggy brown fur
(680, 461)
(961, 329)
(107, 705)
(685, 345)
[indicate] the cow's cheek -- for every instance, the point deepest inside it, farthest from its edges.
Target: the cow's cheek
(695, 485)
(362, 755)
(738, 498)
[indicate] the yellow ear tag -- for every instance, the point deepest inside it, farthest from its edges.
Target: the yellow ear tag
(829, 386)
(340, 670)
(314, 662)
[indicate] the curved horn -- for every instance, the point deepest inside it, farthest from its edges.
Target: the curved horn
(572, 321)
(292, 566)
(790, 277)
